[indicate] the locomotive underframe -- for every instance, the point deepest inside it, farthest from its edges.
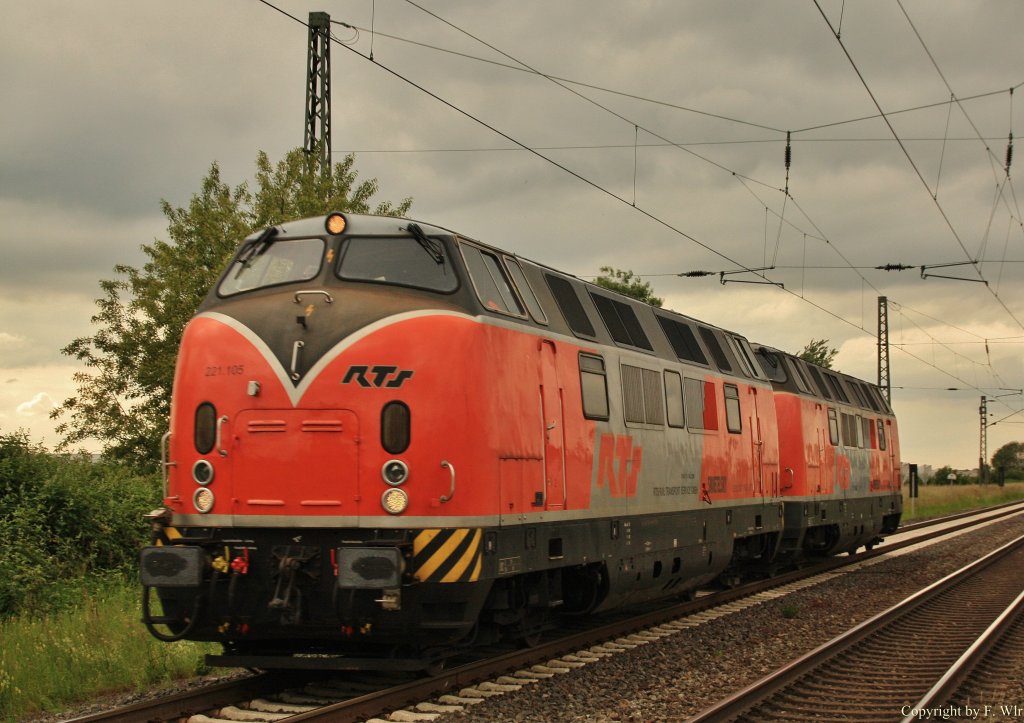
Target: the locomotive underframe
(262, 592)
(823, 527)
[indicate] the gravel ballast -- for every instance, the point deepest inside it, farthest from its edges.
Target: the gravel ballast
(679, 676)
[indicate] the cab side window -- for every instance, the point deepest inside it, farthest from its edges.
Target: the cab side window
(733, 419)
(593, 387)
(492, 285)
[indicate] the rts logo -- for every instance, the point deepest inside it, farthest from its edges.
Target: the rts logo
(618, 464)
(376, 376)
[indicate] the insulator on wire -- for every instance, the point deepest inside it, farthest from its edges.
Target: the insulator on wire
(789, 159)
(696, 274)
(895, 267)
(1009, 153)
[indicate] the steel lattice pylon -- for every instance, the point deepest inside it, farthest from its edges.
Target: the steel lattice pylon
(318, 89)
(983, 442)
(884, 382)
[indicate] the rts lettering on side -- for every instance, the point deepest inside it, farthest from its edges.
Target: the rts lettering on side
(379, 375)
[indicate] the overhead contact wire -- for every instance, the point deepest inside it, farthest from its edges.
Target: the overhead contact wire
(917, 170)
(611, 194)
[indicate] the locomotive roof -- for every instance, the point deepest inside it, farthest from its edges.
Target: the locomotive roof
(359, 224)
(356, 223)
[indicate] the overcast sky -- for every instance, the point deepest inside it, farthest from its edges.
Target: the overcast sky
(665, 141)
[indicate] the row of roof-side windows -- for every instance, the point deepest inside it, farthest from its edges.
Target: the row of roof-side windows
(689, 403)
(826, 384)
(731, 353)
(502, 286)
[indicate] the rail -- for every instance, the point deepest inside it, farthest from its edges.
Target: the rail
(784, 686)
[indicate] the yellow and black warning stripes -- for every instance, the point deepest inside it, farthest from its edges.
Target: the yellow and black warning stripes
(447, 555)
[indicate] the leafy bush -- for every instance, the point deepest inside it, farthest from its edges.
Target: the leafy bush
(64, 517)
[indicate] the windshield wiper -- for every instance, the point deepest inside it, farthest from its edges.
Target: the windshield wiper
(257, 248)
(430, 245)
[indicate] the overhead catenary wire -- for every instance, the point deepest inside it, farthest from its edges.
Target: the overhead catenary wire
(977, 132)
(562, 83)
(938, 70)
(519, 66)
(620, 198)
(913, 164)
(660, 144)
(524, 68)
(590, 182)
(676, 106)
(741, 177)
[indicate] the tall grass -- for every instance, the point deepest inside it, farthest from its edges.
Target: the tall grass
(937, 500)
(50, 661)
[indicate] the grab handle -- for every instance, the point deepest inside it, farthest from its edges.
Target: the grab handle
(164, 454)
(220, 427)
(295, 359)
(300, 294)
(451, 468)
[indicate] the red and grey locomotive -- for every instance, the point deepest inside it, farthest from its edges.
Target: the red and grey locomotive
(388, 440)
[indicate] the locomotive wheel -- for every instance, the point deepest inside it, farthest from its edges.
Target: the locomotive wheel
(435, 667)
(531, 640)
(531, 629)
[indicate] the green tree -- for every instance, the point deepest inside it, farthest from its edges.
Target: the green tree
(818, 352)
(628, 283)
(1011, 458)
(941, 477)
(124, 393)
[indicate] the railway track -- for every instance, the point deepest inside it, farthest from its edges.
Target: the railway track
(298, 697)
(989, 674)
(940, 633)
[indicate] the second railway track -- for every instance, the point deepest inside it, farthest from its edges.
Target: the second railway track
(884, 668)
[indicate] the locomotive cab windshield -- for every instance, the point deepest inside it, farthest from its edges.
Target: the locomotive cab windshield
(417, 261)
(268, 261)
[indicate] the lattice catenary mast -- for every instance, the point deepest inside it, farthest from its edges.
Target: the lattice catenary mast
(983, 445)
(318, 89)
(883, 348)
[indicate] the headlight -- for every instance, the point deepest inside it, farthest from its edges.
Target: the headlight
(203, 499)
(393, 500)
(395, 472)
(202, 472)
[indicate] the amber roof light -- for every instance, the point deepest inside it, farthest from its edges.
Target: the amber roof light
(335, 223)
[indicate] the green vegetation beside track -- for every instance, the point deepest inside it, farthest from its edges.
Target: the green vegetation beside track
(938, 500)
(70, 530)
(95, 647)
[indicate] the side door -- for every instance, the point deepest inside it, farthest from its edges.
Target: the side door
(552, 427)
(756, 443)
